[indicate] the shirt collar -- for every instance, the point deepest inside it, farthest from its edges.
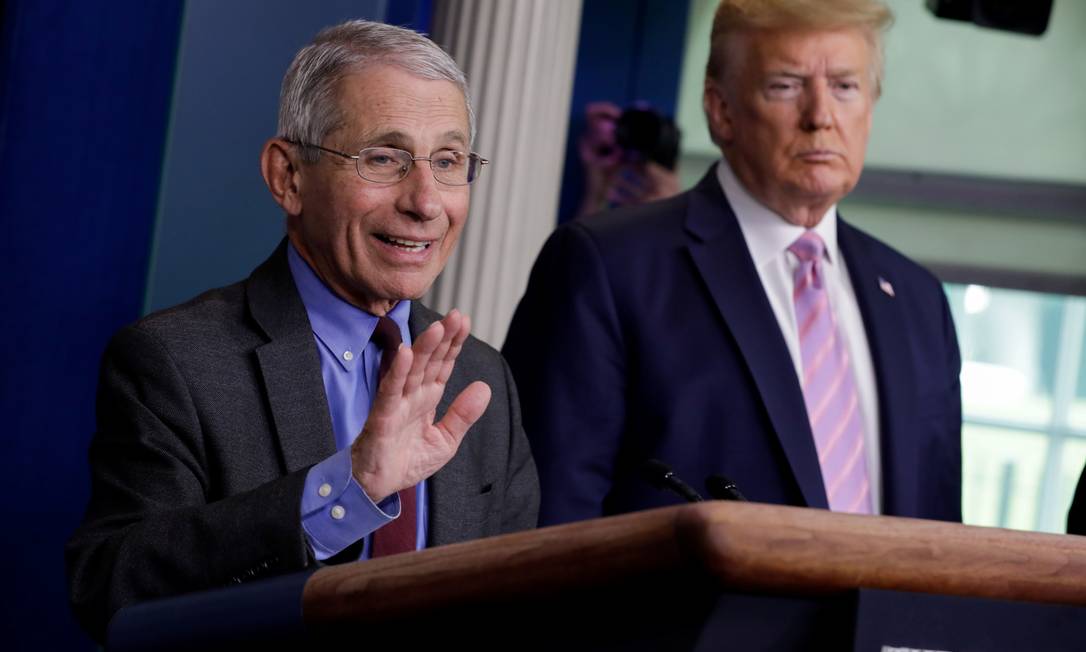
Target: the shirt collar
(343, 328)
(768, 234)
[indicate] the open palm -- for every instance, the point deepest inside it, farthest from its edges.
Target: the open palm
(400, 444)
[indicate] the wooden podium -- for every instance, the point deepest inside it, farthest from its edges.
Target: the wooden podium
(706, 576)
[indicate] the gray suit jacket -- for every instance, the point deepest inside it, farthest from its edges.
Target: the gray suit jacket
(209, 416)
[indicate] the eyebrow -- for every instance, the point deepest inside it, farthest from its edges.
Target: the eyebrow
(840, 72)
(845, 72)
(786, 73)
(455, 135)
(400, 139)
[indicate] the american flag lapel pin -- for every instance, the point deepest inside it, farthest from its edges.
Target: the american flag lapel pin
(886, 287)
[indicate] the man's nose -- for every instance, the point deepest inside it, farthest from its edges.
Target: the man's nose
(818, 107)
(419, 194)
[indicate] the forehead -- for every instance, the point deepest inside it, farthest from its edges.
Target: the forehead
(388, 99)
(830, 51)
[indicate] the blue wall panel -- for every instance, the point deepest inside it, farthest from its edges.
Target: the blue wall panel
(413, 14)
(629, 51)
(103, 126)
(217, 220)
(83, 105)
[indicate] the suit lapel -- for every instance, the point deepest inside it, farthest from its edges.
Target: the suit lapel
(720, 254)
(884, 321)
(290, 365)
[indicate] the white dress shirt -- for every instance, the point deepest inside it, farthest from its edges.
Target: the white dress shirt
(768, 237)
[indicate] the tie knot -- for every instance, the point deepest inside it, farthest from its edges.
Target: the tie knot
(808, 247)
(387, 334)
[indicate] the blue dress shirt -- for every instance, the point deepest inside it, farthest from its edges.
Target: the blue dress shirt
(336, 512)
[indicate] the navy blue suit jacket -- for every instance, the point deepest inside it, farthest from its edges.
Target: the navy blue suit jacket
(646, 333)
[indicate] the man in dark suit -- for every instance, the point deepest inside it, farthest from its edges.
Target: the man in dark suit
(279, 423)
(1076, 515)
(743, 328)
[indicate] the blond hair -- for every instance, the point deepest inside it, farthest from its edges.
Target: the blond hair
(871, 17)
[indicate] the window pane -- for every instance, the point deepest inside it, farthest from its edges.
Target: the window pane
(1001, 476)
(1008, 340)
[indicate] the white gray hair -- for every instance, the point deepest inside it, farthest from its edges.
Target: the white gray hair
(308, 103)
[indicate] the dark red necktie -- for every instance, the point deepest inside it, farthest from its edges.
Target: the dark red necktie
(399, 535)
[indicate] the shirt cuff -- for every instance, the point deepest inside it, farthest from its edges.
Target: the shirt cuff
(336, 511)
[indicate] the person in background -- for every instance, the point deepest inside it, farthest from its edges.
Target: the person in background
(618, 175)
(744, 328)
(315, 412)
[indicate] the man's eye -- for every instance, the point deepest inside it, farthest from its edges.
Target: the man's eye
(783, 83)
(782, 88)
(448, 161)
(846, 86)
(380, 160)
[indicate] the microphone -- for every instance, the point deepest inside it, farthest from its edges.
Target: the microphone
(721, 488)
(662, 477)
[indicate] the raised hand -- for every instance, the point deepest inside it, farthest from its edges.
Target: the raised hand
(400, 444)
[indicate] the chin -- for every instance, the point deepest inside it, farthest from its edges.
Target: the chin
(409, 290)
(831, 189)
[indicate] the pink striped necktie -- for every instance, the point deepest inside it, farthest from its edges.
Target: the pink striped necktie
(829, 389)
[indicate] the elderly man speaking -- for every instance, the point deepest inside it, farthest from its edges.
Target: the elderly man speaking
(315, 412)
(744, 328)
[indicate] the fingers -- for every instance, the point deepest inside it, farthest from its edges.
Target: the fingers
(627, 187)
(391, 386)
(643, 182)
(465, 410)
(452, 323)
(446, 368)
(432, 357)
(424, 347)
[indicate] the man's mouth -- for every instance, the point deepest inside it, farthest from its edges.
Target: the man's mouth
(401, 243)
(817, 154)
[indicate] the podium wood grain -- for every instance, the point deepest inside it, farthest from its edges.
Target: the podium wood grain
(681, 550)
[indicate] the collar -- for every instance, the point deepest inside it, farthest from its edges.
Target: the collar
(343, 328)
(768, 234)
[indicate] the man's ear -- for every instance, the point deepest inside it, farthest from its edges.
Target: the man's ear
(279, 164)
(717, 112)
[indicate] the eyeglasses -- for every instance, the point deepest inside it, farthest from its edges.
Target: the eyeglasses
(391, 165)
